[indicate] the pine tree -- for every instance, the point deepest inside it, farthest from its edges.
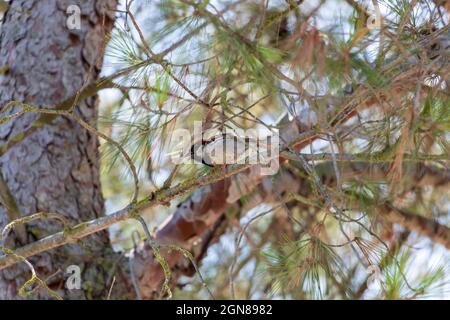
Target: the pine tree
(355, 93)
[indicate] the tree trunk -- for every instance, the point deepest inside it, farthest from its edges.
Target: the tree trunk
(55, 169)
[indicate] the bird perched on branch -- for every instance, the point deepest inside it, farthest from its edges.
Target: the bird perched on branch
(224, 148)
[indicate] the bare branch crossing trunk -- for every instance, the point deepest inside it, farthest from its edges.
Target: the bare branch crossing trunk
(56, 169)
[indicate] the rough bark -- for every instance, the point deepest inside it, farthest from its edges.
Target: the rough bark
(56, 169)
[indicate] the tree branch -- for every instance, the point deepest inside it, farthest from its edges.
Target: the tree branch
(422, 225)
(161, 197)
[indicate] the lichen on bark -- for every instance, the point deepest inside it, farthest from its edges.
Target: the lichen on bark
(55, 169)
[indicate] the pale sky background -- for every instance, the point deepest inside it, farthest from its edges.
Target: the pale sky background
(430, 255)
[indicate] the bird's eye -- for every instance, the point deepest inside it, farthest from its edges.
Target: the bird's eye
(435, 47)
